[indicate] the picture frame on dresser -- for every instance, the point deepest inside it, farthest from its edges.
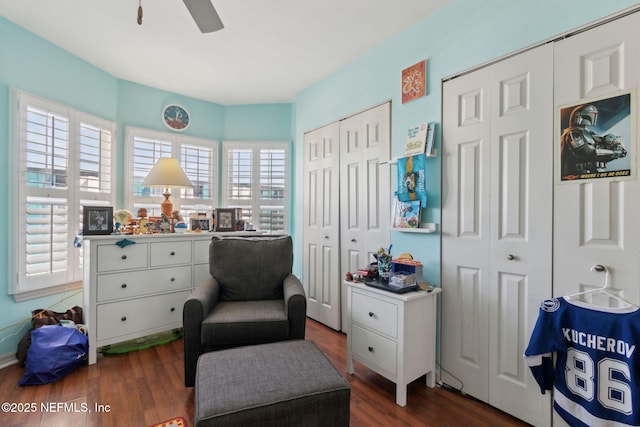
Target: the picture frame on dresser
(225, 219)
(200, 224)
(97, 220)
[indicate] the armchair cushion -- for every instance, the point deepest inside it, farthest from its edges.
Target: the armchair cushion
(233, 323)
(255, 275)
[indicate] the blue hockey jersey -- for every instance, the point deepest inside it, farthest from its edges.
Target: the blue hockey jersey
(596, 379)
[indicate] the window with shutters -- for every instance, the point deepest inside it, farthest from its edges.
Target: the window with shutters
(256, 179)
(61, 160)
(198, 157)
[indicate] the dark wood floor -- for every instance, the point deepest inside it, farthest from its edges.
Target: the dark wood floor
(146, 387)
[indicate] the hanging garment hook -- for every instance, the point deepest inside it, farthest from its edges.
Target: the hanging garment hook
(600, 267)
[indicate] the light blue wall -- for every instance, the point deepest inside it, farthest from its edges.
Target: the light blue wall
(34, 65)
(459, 36)
(31, 64)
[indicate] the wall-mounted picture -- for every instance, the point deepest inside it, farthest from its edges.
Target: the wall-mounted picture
(597, 139)
(414, 80)
(97, 220)
(225, 219)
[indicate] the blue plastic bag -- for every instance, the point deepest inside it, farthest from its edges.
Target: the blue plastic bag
(54, 352)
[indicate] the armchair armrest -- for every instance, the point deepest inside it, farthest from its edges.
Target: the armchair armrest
(295, 305)
(195, 309)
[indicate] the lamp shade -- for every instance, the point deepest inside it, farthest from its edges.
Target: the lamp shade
(167, 173)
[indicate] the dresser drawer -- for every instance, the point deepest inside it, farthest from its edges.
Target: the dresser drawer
(375, 314)
(140, 314)
(374, 348)
(137, 283)
(113, 257)
(201, 251)
(200, 273)
(170, 253)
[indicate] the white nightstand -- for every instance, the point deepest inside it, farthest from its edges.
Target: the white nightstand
(392, 334)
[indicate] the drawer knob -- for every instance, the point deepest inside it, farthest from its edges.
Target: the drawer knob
(370, 349)
(511, 257)
(172, 309)
(173, 253)
(371, 314)
(173, 279)
(124, 285)
(123, 318)
(124, 257)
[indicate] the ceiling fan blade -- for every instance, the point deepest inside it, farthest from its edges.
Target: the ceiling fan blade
(205, 15)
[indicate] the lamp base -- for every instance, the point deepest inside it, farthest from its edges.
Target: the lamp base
(166, 205)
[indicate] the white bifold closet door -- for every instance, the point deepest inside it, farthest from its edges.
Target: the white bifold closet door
(347, 194)
(497, 228)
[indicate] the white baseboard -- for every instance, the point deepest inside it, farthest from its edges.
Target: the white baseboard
(8, 360)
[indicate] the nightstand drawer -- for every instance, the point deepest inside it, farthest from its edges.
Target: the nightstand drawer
(374, 348)
(137, 283)
(170, 253)
(114, 258)
(140, 314)
(376, 314)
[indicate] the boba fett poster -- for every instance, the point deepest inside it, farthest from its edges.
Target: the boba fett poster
(597, 139)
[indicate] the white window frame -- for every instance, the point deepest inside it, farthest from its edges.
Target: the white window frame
(257, 203)
(181, 199)
(22, 285)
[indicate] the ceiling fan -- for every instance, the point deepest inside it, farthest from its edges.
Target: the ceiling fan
(203, 13)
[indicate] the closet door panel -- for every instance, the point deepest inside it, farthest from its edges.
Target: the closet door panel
(596, 221)
(365, 188)
(465, 233)
(521, 225)
(321, 243)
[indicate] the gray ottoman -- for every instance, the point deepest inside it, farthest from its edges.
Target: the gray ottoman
(288, 383)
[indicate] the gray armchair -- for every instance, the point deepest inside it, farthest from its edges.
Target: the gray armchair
(250, 298)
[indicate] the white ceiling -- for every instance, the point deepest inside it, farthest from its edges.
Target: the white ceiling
(268, 51)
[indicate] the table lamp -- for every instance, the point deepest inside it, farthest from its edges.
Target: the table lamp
(167, 173)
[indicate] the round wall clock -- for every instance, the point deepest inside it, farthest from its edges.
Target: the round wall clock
(175, 117)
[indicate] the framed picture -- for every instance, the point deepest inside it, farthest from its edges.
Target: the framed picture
(596, 139)
(97, 220)
(225, 219)
(200, 223)
(414, 81)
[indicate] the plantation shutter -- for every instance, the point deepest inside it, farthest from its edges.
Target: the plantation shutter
(95, 153)
(239, 181)
(45, 173)
(198, 163)
(273, 182)
(256, 180)
(146, 152)
(61, 159)
(198, 157)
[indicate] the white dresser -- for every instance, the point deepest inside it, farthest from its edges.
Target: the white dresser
(392, 334)
(139, 289)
